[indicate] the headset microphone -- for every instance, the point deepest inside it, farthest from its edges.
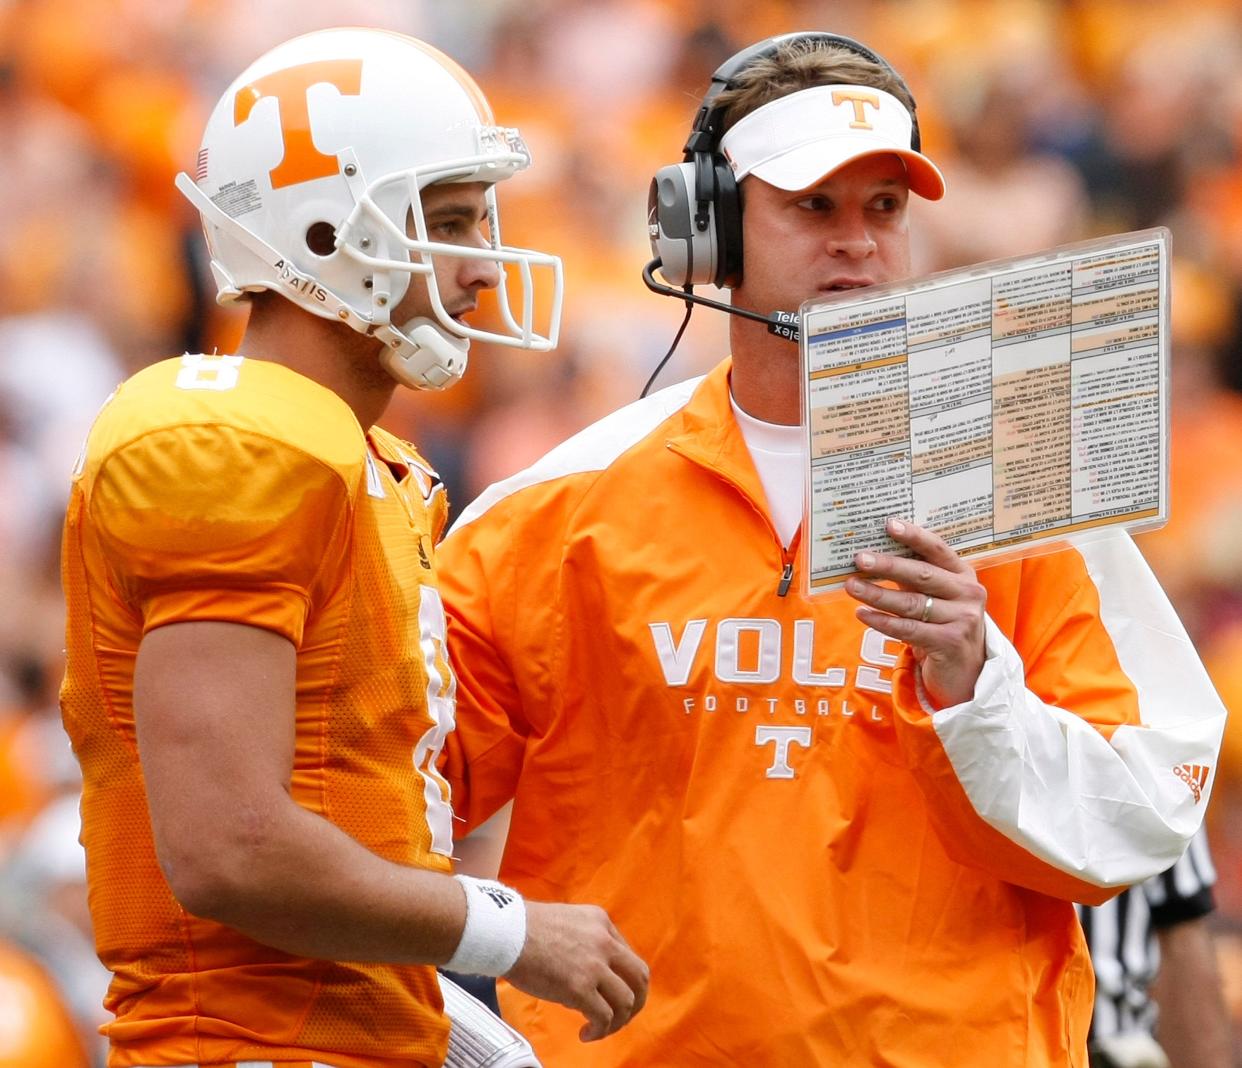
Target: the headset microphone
(781, 323)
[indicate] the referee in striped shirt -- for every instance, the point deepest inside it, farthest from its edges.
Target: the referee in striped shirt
(1159, 927)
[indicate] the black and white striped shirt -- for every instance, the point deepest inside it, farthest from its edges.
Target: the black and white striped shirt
(1121, 935)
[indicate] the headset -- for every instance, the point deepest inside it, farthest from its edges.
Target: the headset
(694, 211)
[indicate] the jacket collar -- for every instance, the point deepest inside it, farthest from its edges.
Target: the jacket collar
(707, 434)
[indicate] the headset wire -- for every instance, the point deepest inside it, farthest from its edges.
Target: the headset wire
(671, 349)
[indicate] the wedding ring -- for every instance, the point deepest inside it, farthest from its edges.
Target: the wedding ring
(927, 609)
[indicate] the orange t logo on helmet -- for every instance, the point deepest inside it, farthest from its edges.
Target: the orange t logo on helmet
(858, 99)
(302, 161)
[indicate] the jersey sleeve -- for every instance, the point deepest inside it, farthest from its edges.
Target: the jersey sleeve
(1084, 761)
(211, 522)
(483, 756)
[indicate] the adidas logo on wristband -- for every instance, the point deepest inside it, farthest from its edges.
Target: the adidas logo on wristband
(495, 932)
(499, 893)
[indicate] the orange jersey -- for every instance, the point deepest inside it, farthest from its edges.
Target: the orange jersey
(217, 488)
(819, 869)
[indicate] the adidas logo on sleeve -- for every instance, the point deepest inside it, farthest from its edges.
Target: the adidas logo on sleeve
(1195, 776)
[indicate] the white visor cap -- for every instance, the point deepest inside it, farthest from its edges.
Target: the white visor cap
(796, 140)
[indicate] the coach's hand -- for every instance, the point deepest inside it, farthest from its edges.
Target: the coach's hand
(938, 610)
(574, 955)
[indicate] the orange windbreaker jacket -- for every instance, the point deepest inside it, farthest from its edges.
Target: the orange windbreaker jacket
(819, 869)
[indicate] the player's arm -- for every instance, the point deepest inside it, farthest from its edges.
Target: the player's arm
(1193, 1026)
(214, 709)
(480, 852)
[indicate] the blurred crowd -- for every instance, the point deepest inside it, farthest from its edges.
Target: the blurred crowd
(1054, 120)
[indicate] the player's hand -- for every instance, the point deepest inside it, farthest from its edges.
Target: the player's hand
(938, 610)
(574, 955)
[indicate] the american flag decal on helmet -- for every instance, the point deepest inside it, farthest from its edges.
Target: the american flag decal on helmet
(200, 169)
(1193, 775)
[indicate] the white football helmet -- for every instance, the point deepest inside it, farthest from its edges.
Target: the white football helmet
(311, 167)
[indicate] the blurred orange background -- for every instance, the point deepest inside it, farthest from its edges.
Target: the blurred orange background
(1053, 121)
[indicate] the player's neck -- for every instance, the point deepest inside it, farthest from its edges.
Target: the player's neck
(330, 353)
(765, 376)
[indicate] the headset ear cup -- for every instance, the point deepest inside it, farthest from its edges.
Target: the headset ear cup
(687, 253)
(728, 218)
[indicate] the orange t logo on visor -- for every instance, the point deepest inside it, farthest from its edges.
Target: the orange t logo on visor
(302, 161)
(858, 98)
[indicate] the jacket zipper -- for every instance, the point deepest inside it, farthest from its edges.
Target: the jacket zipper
(787, 562)
(786, 579)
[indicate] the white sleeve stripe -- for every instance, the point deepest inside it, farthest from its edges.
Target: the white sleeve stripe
(592, 449)
(1152, 645)
(1109, 812)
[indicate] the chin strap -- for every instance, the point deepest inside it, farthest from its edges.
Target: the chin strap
(422, 354)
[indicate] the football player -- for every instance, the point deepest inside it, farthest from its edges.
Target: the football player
(257, 685)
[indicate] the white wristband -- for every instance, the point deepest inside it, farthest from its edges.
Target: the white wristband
(495, 930)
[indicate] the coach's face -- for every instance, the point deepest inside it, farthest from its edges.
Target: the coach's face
(848, 230)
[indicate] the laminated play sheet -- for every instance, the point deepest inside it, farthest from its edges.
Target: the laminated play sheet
(1005, 406)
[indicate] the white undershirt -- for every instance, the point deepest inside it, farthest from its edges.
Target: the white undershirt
(777, 451)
